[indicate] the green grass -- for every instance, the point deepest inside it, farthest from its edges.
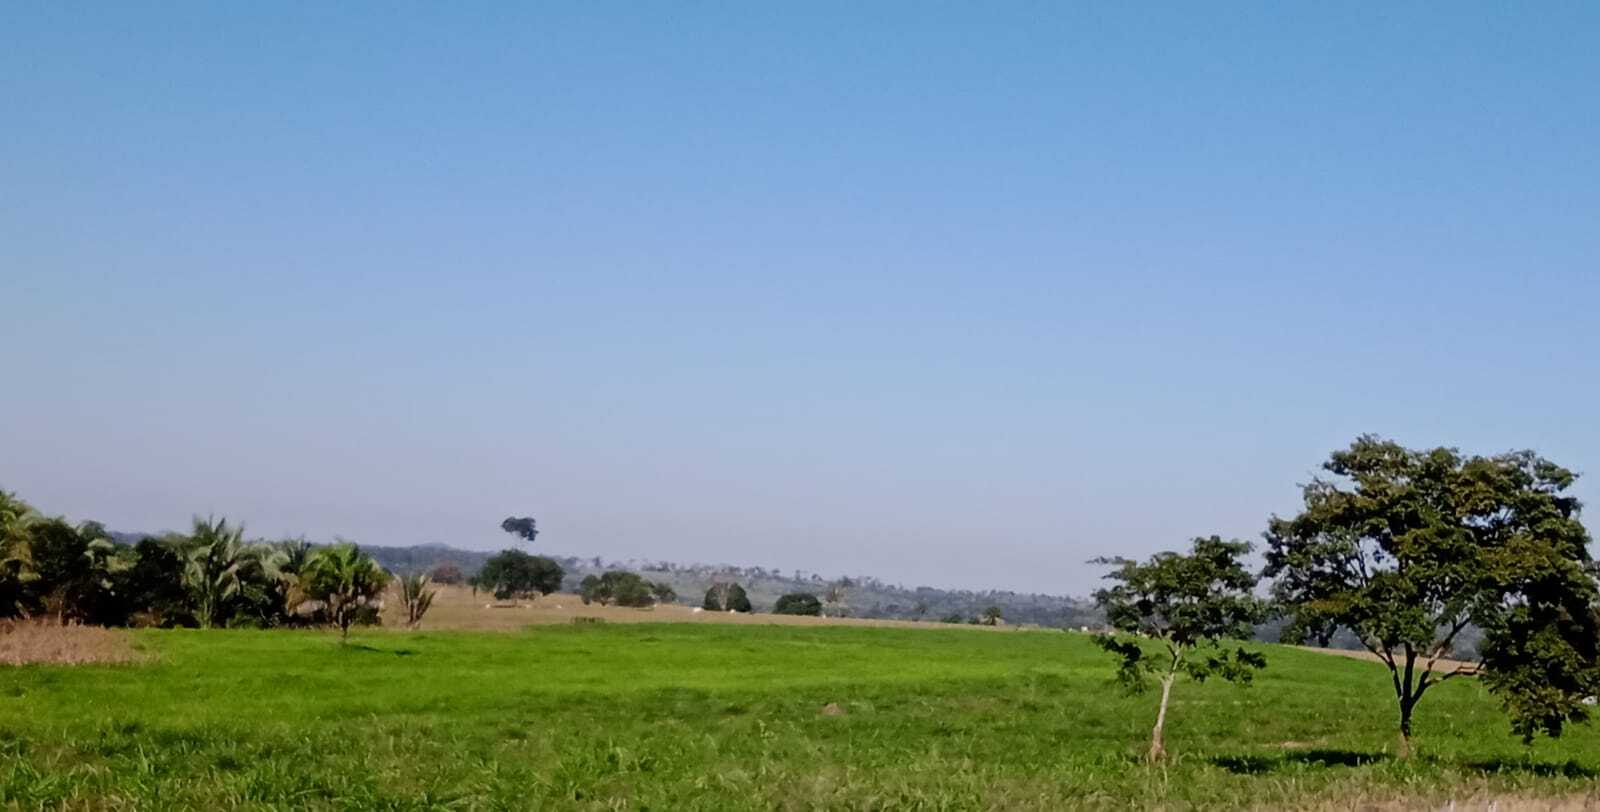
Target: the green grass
(701, 716)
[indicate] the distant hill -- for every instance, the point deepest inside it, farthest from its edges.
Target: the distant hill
(864, 596)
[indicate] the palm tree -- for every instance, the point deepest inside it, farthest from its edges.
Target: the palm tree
(17, 519)
(345, 580)
(213, 555)
(416, 596)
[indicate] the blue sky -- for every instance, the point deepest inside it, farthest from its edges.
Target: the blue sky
(949, 294)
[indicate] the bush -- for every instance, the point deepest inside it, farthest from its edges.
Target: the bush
(447, 573)
(798, 603)
(726, 598)
(619, 588)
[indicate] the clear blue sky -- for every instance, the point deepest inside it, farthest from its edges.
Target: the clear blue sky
(948, 293)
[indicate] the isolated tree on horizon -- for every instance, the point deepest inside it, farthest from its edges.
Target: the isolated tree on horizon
(1407, 548)
(523, 527)
(515, 574)
(1189, 603)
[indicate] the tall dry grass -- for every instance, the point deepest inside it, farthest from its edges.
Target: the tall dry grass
(36, 641)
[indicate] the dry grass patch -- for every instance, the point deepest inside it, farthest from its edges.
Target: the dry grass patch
(37, 642)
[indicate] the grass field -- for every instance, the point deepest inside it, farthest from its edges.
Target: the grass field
(687, 716)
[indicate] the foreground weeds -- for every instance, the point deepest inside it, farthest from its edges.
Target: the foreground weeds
(50, 643)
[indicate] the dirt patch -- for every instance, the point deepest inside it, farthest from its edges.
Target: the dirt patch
(1441, 666)
(35, 642)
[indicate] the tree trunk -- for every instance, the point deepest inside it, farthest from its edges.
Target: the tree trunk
(1405, 728)
(1157, 751)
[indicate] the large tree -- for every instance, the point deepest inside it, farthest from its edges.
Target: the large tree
(515, 574)
(1188, 604)
(1409, 548)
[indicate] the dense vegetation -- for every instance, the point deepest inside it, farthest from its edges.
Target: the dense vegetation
(618, 716)
(210, 577)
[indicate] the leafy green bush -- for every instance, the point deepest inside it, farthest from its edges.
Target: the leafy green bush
(798, 603)
(619, 588)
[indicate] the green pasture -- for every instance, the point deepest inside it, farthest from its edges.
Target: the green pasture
(699, 716)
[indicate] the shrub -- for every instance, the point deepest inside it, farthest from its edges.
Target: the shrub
(619, 588)
(798, 603)
(447, 573)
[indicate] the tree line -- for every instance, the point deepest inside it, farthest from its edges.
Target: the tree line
(1405, 550)
(207, 578)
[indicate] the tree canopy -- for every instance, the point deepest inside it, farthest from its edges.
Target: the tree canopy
(521, 526)
(1407, 548)
(345, 580)
(516, 574)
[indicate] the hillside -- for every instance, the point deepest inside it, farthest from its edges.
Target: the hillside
(863, 596)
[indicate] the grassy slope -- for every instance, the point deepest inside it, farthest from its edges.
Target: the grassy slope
(687, 716)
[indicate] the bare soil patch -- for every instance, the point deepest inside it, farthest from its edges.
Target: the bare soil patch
(1441, 666)
(31, 642)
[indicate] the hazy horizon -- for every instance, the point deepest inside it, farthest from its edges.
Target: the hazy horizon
(949, 296)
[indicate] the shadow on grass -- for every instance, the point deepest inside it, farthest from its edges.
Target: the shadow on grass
(1508, 766)
(1258, 765)
(398, 652)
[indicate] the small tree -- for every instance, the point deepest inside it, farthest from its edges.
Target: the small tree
(416, 596)
(1408, 548)
(1190, 604)
(798, 603)
(992, 616)
(346, 581)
